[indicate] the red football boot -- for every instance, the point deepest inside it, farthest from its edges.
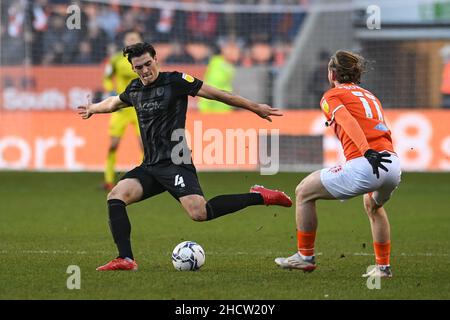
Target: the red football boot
(119, 264)
(272, 197)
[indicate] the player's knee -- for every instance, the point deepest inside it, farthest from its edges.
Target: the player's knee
(114, 144)
(197, 212)
(125, 196)
(113, 194)
(370, 206)
(113, 147)
(301, 192)
(195, 206)
(198, 216)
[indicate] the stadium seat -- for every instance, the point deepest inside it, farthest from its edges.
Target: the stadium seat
(199, 51)
(163, 50)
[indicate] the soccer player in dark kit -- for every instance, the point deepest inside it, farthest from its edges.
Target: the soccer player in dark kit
(160, 100)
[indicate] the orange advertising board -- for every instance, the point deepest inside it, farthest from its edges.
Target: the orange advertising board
(59, 88)
(60, 140)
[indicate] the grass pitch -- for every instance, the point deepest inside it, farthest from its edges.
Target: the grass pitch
(49, 221)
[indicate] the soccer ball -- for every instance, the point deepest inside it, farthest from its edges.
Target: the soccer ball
(188, 256)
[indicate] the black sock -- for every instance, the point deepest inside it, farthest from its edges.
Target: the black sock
(222, 205)
(120, 227)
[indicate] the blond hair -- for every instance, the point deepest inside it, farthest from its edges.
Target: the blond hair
(348, 66)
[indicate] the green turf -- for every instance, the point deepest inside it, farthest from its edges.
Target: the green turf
(49, 221)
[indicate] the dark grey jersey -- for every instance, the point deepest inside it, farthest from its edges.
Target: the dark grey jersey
(161, 109)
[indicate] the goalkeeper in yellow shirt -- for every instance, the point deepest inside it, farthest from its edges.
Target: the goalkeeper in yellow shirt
(118, 75)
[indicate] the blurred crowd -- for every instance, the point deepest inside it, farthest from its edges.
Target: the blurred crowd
(36, 32)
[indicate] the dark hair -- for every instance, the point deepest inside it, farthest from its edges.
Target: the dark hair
(348, 66)
(138, 49)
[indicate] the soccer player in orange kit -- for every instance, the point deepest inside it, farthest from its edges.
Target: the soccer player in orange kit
(358, 120)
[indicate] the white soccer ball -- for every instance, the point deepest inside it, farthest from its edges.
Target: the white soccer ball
(188, 256)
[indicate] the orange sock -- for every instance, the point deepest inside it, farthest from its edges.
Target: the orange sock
(382, 252)
(305, 242)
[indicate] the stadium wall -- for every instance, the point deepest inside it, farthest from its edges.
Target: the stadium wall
(291, 85)
(60, 140)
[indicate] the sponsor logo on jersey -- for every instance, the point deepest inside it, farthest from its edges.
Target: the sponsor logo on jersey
(159, 91)
(381, 127)
(149, 106)
(187, 77)
(325, 106)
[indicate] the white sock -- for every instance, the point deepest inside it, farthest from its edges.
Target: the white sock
(306, 258)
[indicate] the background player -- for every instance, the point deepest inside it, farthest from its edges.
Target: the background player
(117, 76)
(358, 121)
(160, 100)
(220, 73)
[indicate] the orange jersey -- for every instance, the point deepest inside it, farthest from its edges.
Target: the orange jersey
(365, 108)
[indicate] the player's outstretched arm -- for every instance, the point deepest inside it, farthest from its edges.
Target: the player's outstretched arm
(108, 105)
(262, 110)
